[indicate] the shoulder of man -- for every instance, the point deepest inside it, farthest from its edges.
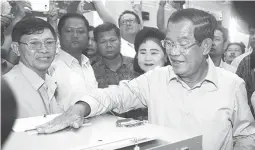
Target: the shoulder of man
(98, 64)
(56, 65)
(160, 73)
(13, 73)
(128, 60)
(15, 78)
(228, 77)
(230, 68)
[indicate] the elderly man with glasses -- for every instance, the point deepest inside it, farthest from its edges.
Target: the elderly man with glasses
(34, 89)
(192, 95)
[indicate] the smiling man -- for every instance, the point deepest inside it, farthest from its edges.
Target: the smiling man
(192, 96)
(34, 89)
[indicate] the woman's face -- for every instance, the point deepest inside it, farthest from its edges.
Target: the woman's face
(150, 55)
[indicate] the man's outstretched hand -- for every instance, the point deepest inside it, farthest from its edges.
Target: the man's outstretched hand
(73, 117)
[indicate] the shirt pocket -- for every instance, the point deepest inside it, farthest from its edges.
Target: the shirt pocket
(218, 130)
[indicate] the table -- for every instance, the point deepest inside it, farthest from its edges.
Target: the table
(102, 130)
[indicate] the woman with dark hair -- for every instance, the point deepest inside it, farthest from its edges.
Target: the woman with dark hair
(149, 51)
(234, 50)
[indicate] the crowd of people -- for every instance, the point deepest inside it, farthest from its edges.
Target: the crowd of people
(186, 76)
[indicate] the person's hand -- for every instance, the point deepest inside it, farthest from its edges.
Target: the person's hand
(80, 9)
(23, 8)
(73, 117)
(85, 6)
(137, 7)
(162, 2)
(5, 7)
(6, 20)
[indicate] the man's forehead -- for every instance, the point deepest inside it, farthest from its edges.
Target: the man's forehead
(127, 16)
(218, 33)
(109, 33)
(234, 46)
(74, 22)
(181, 29)
(44, 33)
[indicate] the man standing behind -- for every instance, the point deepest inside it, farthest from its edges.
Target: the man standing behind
(129, 22)
(113, 67)
(71, 68)
(34, 89)
(91, 51)
(220, 43)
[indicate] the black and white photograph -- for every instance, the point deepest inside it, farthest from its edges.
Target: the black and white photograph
(127, 75)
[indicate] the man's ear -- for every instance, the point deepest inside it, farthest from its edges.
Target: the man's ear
(15, 48)
(206, 45)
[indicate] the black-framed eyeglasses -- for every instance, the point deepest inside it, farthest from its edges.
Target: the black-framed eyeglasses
(37, 45)
(130, 21)
(170, 45)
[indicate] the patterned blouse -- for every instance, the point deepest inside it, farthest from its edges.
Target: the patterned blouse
(105, 76)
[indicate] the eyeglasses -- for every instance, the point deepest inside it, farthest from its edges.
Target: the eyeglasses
(170, 45)
(37, 45)
(125, 22)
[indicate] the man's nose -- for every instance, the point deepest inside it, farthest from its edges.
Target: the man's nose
(43, 49)
(90, 42)
(128, 23)
(108, 44)
(75, 34)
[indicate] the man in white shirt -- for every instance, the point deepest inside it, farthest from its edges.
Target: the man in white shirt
(220, 43)
(34, 89)
(192, 95)
(72, 69)
(130, 25)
